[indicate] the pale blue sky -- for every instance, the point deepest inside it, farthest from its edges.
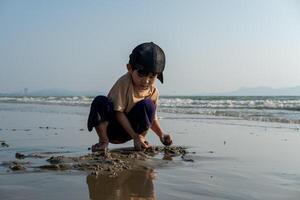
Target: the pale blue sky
(211, 46)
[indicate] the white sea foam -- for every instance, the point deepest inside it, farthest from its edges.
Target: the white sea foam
(271, 109)
(251, 103)
(268, 109)
(76, 100)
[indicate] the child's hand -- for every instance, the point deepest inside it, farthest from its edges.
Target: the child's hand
(140, 143)
(166, 140)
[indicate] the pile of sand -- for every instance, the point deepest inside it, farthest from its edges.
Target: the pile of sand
(102, 163)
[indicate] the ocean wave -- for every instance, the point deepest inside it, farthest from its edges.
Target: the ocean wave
(267, 109)
(285, 103)
(291, 104)
(73, 100)
(263, 116)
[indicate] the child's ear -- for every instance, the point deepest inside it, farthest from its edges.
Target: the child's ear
(129, 68)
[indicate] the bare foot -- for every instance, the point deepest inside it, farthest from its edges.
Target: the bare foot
(100, 147)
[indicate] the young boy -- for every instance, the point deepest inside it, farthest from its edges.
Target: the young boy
(130, 108)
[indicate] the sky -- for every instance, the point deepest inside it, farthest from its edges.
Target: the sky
(211, 46)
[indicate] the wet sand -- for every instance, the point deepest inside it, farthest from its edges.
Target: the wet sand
(226, 159)
(109, 163)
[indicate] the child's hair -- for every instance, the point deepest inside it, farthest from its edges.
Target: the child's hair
(148, 57)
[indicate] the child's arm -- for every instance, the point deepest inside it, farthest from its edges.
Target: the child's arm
(157, 129)
(123, 120)
(164, 138)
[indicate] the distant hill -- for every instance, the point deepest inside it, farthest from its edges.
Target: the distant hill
(62, 92)
(265, 91)
(243, 91)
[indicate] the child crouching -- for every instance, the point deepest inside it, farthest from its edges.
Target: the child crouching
(130, 108)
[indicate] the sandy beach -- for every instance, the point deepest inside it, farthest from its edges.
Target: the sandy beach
(228, 159)
(221, 76)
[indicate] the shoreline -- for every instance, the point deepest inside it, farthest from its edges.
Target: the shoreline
(232, 160)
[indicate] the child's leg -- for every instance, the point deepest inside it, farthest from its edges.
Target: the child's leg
(101, 130)
(99, 118)
(141, 117)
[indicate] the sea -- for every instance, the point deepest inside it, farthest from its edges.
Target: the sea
(239, 148)
(280, 109)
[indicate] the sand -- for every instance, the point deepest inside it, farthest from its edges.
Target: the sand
(109, 163)
(220, 159)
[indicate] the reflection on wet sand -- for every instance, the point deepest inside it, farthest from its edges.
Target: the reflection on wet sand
(130, 184)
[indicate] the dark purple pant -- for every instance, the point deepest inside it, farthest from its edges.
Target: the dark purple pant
(140, 117)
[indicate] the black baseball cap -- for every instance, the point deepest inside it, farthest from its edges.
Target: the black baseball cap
(148, 57)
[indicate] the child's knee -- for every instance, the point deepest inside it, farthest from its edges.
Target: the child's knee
(147, 103)
(101, 110)
(100, 100)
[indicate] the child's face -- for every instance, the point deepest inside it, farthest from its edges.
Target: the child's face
(141, 81)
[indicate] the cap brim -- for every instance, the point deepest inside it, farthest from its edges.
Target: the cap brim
(161, 77)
